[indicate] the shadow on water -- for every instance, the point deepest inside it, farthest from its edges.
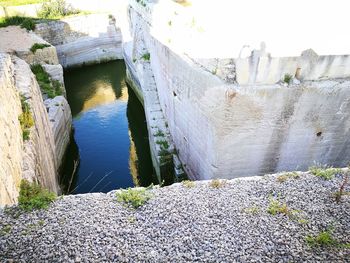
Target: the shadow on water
(110, 137)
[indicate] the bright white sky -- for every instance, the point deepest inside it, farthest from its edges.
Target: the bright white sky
(286, 26)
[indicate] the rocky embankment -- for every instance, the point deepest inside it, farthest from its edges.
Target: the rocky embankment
(35, 118)
(208, 221)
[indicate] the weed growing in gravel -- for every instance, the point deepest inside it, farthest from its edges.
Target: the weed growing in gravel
(254, 210)
(217, 183)
(5, 230)
(303, 221)
(188, 184)
(33, 196)
(327, 173)
(135, 197)
(324, 238)
(284, 177)
(276, 207)
(37, 46)
(131, 219)
(341, 191)
(50, 87)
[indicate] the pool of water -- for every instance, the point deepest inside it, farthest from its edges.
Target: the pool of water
(109, 148)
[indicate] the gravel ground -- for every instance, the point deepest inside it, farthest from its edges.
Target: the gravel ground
(180, 224)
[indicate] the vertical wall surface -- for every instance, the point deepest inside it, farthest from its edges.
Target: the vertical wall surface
(33, 159)
(11, 135)
(236, 117)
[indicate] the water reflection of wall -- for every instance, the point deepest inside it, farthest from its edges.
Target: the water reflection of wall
(111, 132)
(92, 86)
(140, 162)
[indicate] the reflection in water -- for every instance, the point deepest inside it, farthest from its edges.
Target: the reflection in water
(110, 132)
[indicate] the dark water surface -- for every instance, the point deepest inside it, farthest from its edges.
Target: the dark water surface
(110, 136)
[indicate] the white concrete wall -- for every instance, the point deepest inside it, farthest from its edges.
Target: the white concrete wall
(254, 124)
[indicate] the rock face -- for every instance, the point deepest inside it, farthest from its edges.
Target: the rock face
(18, 41)
(84, 39)
(11, 143)
(34, 159)
(60, 117)
(236, 116)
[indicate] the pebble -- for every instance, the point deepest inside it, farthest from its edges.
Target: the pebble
(180, 224)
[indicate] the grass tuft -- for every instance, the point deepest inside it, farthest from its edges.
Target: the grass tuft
(135, 197)
(33, 196)
(327, 173)
(286, 176)
(146, 56)
(188, 184)
(37, 46)
(217, 183)
(24, 22)
(51, 88)
(25, 119)
(324, 238)
(276, 207)
(287, 78)
(159, 133)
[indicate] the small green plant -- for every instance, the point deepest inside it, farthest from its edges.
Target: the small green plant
(188, 184)
(169, 23)
(254, 210)
(28, 24)
(5, 230)
(131, 219)
(303, 221)
(24, 22)
(342, 191)
(37, 46)
(56, 9)
(142, 2)
(164, 145)
(51, 88)
(6, 3)
(146, 56)
(33, 196)
(327, 173)
(275, 207)
(217, 183)
(135, 197)
(25, 119)
(159, 133)
(324, 238)
(284, 177)
(287, 78)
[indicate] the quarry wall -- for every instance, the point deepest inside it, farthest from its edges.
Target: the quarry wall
(32, 159)
(38, 157)
(85, 39)
(233, 117)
